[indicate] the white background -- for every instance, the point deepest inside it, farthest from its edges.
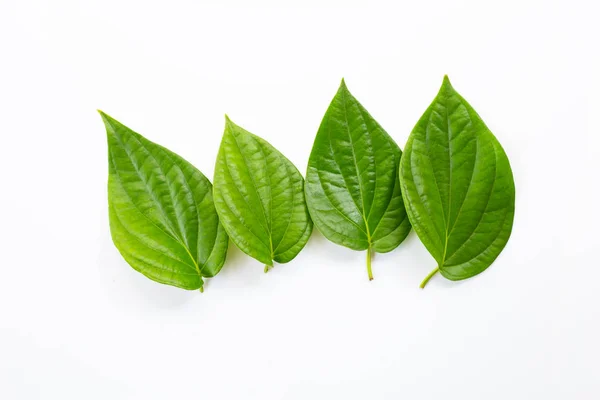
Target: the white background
(76, 322)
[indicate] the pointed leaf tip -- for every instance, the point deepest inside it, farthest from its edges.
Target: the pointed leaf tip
(228, 122)
(107, 119)
(102, 114)
(343, 87)
(446, 82)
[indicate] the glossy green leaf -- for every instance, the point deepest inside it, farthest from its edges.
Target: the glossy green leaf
(260, 198)
(162, 216)
(352, 187)
(458, 184)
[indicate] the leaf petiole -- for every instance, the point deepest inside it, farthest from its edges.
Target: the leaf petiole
(268, 267)
(428, 277)
(369, 271)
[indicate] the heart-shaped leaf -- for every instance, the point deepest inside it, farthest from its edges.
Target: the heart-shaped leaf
(259, 195)
(458, 184)
(352, 187)
(161, 211)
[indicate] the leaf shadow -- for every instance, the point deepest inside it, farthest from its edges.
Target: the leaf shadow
(240, 270)
(233, 261)
(331, 253)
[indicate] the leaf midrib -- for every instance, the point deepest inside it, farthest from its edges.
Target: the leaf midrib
(287, 168)
(175, 237)
(448, 229)
(196, 263)
(318, 171)
(171, 195)
(487, 203)
(116, 174)
(254, 186)
(449, 129)
(362, 199)
(226, 168)
(270, 221)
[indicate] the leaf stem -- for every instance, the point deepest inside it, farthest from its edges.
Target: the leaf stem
(201, 289)
(428, 277)
(268, 267)
(369, 271)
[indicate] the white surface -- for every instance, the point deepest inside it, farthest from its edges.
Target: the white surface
(76, 322)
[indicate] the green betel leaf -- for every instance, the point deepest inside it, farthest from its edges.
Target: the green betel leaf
(352, 187)
(457, 182)
(161, 211)
(259, 195)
